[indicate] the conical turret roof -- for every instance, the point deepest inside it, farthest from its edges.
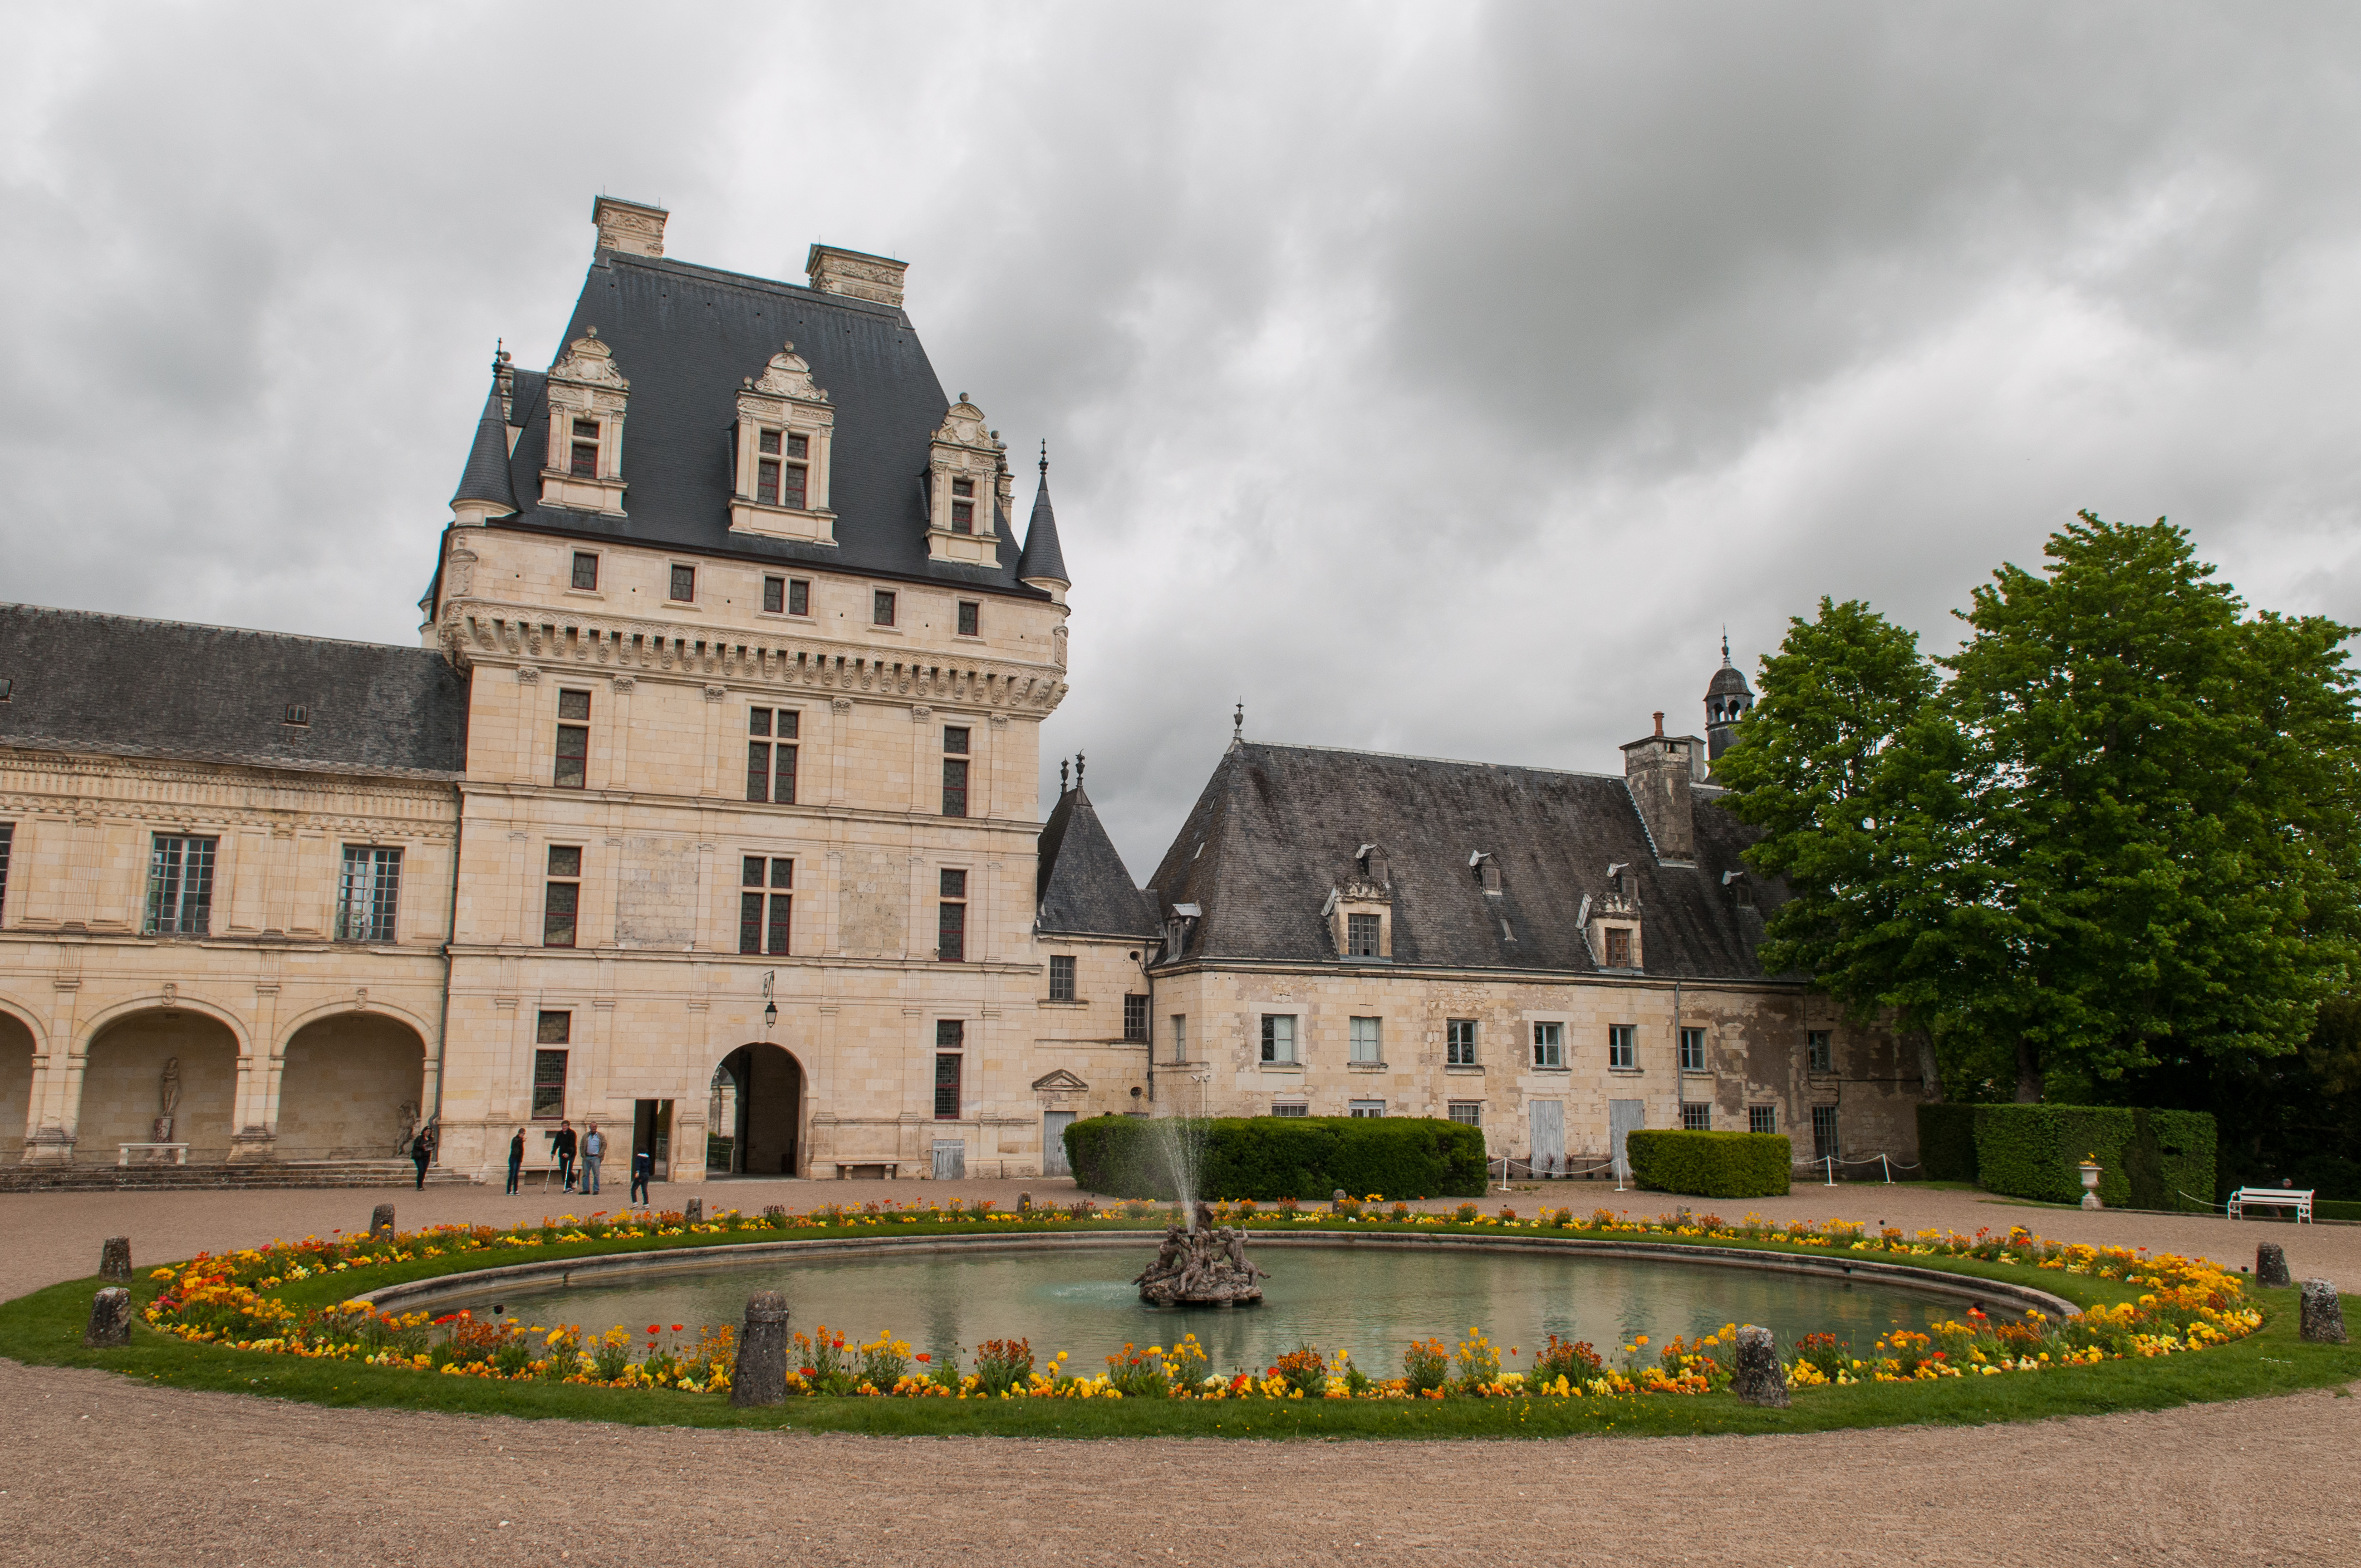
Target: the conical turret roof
(1043, 561)
(485, 479)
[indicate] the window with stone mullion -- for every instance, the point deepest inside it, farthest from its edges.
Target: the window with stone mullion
(368, 894)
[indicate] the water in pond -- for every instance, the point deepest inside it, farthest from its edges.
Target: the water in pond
(1371, 1303)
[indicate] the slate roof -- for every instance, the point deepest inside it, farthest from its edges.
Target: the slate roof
(485, 477)
(1082, 887)
(1043, 561)
(126, 687)
(1276, 827)
(687, 338)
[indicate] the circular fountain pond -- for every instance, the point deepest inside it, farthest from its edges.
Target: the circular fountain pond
(1369, 1301)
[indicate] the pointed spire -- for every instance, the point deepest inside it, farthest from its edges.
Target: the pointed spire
(1043, 564)
(485, 481)
(1239, 724)
(1725, 647)
(1078, 769)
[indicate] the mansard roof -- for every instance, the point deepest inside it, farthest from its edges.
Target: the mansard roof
(1081, 885)
(687, 338)
(122, 685)
(1277, 826)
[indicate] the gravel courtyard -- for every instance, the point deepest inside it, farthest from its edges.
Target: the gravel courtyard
(93, 1470)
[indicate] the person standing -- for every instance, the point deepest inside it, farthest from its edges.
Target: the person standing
(563, 1145)
(516, 1159)
(594, 1148)
(643, 1168)
(422, 1152)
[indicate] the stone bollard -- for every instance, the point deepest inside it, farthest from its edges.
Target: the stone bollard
(759, 1376)
(1760, 1380)
(2270, 1264)
(115, 1258)
(1024, 1202)
(1337, 1197)
(2323, 1314)
(382, 1223)
(693, 1211)
(110, 1319)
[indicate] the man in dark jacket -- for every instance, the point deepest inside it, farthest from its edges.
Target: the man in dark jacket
(422, 1152)
(516, 1158)
(563, 1143)
(644, 1168)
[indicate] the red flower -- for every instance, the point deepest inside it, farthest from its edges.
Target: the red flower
(676, 1328)
(654, 1329)
(922, 1355)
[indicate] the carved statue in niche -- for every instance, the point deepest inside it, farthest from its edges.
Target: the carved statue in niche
(169, 1099)
(405, 1124)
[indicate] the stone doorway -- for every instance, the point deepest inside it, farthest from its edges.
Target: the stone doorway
(756, 1128)
(16, 1052)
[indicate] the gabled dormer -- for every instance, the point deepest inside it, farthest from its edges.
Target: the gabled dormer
(784, 427)
(965, 470)
(1360, 909)
(1610, 922)
(583, 469)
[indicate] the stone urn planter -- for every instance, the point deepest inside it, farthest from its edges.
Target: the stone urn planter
(2090, 1184)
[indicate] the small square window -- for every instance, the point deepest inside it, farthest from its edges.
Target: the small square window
(585, 570)
(574, 706)
(1279, 1036)
(564, 859)
(955, 739)
(1361, 936)
(1368, 1108)
(1460, 1043)
(1367, 1038)
(1294, 1108)
(880, 607)
(1622, 1046)
(1695, 1116)
(1763, 1118)
(1817, 1058)
(1061, 977)
(955, 884)
(970, 617)
(684, 585)
(1549, 1043)
(554, 1029)
(1467, 1113)
(1692, 1050)
(769, 441)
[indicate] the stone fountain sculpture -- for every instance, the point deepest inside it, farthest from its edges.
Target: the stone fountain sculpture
(1202, 1264)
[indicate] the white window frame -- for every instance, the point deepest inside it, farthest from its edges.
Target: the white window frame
(1474, 1109)
(1819, 1051)
(1549, 1042)
(1276, 1052)
(1692, 1060)
(370, 877)
(1369, 1109)
(1457, 1053)
(1761, 1113)
(1179, 1037)
(1367, 1043)
(1622, 1048)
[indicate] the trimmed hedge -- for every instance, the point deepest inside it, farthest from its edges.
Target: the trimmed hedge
(2149, 1157)
(1270, 1157)
(1711, 1164)
(1946, 1143)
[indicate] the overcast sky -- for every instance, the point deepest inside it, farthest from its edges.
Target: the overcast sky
(1438, 379)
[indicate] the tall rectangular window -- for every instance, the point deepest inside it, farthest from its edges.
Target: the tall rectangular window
(1697, 1116)
(1279, 1036)
(1549, 1043)
(7, 837)
(1467, 1113)
(367, 893)
(1763, 1118)
(1824, 1133)
(1817, 1058)
(585, 570)
(766, 904)
(880, 607)
(1692, 1050)
(1460, 1043)
(962, 506)
(549, 1066)
(770, 754)
(1360, 935)
(180, 886)
(573, 769)
(1622, 1046)
(950, 919)
(684, 585)
(798, 596)
(1134, 1019)
(955, 739)
(585, 455)
(1619, 947)
(1179, 1037)
(951, 1039)
(562, 899)
(1367, 1039)
(774, 595)
(970, 617)
(1061, 977)
(782, 467)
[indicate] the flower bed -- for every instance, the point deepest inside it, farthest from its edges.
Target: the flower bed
(233, 1299)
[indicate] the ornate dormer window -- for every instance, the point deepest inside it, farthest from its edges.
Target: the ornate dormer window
(583, 470)
(1359, 913)
(966, 472)
(1610, 924)
(784, 424)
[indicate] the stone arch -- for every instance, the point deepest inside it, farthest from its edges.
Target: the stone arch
(20, 1043)
(351, 1086)
(759, 1109)
(123, 1079)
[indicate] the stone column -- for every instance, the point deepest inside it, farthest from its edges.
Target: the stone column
(110, 1319)
(1760, 1380)
(759, 1376)
(2323, 1314)
(2270, 1264)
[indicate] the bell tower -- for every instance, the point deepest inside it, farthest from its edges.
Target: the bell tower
(1727, 699)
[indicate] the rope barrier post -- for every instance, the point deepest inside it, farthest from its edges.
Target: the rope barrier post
(1832, 1170)
(1889, 1169)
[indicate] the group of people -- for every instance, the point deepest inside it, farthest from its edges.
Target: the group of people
(590, 1146)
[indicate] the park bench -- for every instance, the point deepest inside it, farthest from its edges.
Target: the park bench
(153, 1154)
(2296, 1198)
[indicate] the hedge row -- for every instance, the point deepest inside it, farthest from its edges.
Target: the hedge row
(1270, 1157)
(1711, 1164)
(2148, 1158)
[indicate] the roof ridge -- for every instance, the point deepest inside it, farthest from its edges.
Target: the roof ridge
(725, 276)
(1416, 757)
(211, 626)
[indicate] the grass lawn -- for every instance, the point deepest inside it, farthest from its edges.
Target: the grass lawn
(46, 1327)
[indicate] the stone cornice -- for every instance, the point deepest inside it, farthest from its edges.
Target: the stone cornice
(495, 631)
(1624, 980)
(143, 789)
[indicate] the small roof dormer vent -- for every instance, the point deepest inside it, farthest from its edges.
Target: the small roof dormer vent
(299, 717)
(1486, 867)
(1371, 862)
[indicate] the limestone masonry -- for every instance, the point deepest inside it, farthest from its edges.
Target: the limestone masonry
(707, 812)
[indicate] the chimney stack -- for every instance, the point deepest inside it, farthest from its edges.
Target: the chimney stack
(1658, 771)
(631, 227)
(857, 274)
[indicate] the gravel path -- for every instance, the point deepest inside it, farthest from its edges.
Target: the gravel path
(93, 1470)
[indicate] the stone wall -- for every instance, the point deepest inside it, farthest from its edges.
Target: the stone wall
(351, 1089)
(121, 1083)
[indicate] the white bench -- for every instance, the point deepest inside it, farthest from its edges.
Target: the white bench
(2296, 1198)
(172, 1154)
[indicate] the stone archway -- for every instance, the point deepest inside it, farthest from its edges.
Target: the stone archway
(759, 1125)
(17, 1048)
(350, 1088)
(124, 1086)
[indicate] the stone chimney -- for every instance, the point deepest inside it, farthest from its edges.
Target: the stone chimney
(629, 226)
(1658, 771)
(863, 276)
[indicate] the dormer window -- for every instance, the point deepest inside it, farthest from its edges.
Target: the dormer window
(962, 506)
(783, 469)
(1361, 936)
(585, 464)
(1487, 868)
(784, 424)
(1619, 947)
(582, 468)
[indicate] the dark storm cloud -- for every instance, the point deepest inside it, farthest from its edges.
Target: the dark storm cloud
(1439, 379)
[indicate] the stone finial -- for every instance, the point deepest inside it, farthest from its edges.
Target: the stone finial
(115, 1258)
(1759, 1379)
(110, 1319)
(693, 1211)
(2270, 1264)
(2323, 1314)
(759, 1375)
(382, 1223)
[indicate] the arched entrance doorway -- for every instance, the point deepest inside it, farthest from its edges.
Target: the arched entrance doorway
(137, 1066)
(758, 1102)
(350, 1088)
(16, 1086)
